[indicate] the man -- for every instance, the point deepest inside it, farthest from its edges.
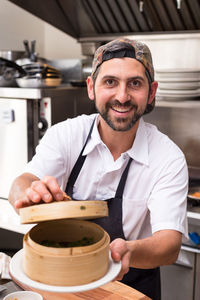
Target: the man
(115, 156)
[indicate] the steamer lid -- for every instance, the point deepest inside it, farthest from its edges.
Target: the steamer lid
(80, 209)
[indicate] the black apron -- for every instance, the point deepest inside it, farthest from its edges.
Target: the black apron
(147, 281)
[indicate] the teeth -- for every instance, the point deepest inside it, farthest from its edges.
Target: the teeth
(122, 109)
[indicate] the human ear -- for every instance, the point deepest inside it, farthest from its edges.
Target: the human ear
(154, 86)
(90, 87)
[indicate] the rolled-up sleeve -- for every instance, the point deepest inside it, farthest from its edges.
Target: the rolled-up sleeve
(168, 201)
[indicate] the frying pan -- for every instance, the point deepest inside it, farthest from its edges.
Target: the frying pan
(9, 71)
(9, 63)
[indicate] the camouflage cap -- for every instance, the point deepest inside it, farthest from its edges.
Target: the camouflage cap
(140, 52)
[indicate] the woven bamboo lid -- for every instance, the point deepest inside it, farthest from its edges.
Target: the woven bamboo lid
(79, 209)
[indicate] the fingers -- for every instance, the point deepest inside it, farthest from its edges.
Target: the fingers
(121, 275)
(27, 189)
(120, 251)
(38, 191)
(125, 267)
(45, 190)
(53, 187)
(23, 203)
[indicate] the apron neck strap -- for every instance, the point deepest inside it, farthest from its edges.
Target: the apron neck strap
(120, 188)
(77, 167)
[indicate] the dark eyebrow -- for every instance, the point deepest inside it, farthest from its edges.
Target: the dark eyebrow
(136, 78)
(109, 77)
(116, 78)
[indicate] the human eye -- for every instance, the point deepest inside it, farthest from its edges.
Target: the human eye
(110, 82)
(134, 83)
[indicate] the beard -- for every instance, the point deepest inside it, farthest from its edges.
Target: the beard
(120, 124)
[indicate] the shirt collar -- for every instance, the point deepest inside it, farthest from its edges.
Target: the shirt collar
(139, 150)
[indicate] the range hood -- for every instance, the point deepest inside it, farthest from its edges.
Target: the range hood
(83, 19)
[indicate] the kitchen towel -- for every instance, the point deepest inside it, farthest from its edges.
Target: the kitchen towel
(4, 266)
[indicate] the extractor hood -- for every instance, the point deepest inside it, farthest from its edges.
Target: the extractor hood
(84, 19)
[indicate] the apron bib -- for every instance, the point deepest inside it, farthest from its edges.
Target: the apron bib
(147, 281)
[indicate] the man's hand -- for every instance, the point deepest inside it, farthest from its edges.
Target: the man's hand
(45, 190)
(120, 251)
(28, 189)
(162, 248)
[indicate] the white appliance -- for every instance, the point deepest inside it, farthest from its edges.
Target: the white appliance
(25, 115)
(13, 140)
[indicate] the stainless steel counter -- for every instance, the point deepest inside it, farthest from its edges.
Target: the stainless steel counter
(35, 93)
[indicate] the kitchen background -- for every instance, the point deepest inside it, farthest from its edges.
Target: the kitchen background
(177, 112)
(169, 51)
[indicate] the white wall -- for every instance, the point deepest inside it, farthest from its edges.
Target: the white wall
(17, 25)
(58, 44)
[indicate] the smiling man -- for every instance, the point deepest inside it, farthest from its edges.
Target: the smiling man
(115, 156)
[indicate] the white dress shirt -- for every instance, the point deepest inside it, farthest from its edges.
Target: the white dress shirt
(156, 188)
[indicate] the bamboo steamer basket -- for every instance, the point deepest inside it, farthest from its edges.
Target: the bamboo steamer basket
(66, 266)
(62, 210)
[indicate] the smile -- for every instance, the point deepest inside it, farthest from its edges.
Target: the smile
(122, 109)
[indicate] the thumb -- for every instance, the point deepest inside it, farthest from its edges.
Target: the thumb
(118, 249)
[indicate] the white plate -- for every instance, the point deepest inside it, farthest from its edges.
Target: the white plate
(179, 85)
(176, 79)
(178, 73)
(178, 70)
(176, 98)
(17, 273)
(179, 93)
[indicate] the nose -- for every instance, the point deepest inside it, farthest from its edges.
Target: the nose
(122, 93)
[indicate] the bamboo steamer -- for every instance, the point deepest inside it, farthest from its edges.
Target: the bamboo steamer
(64, 209)
(66, 266)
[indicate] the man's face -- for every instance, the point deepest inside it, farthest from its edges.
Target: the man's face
(121, 92)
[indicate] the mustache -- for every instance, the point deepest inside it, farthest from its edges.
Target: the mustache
(126, 104)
